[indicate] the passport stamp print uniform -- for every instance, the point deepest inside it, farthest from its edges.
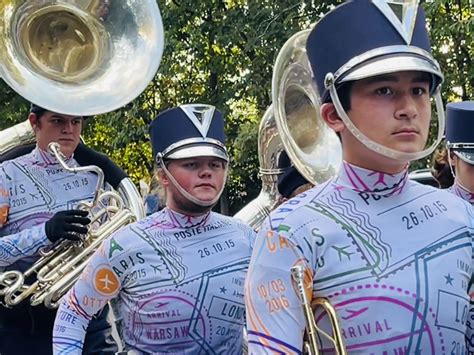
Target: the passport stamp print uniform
(178, 275)
(392, 256)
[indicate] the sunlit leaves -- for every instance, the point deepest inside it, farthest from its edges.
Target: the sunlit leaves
(222, 52)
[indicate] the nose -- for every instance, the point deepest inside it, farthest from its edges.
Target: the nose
(67, 126)
(406, 108)
(205, 171)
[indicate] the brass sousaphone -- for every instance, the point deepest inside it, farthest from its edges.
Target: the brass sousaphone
(292, 124)
(76, 57)
(315, 151)
(80, 57)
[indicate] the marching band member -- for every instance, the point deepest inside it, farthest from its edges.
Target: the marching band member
(177, 275)
(456, 161)
(37, 199)
(392, 256)
(290, 183)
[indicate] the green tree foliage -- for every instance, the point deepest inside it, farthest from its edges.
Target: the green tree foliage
(222, 52)
(451, 25)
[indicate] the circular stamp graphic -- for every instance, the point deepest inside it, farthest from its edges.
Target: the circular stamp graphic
(106, 281)
(390, 322)
(168, 318)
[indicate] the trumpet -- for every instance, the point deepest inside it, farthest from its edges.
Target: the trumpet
(60, 265)
(312, 345)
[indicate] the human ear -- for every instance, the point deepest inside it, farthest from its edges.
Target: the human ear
(453, 158)
(33, 121)
(162, 178)
(331, 117)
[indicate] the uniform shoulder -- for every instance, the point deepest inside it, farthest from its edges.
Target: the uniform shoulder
(122, 242)
(18, 160)
(229, 220)
(289, 212)
(445, 193)
(449, 199)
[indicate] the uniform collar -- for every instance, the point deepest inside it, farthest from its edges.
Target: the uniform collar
(460, 191)
(375, 182)
(180, 220)
(45, 158)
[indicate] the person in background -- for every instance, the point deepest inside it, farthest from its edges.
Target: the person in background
(153, 196)
(453, 166)
(290, 182)
(37, 209)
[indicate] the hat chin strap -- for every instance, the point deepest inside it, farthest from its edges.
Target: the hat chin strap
(186, 194)
(456, 180)
(376, 147)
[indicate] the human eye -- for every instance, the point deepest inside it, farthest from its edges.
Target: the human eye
(384, 91)
(189, 164)
(419, 91)
(216, 165)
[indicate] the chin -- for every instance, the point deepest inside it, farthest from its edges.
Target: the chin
(206, 198)
(68, 148)
(409, 148)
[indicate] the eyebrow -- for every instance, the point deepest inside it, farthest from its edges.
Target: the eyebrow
(421, 78)
(65, 118)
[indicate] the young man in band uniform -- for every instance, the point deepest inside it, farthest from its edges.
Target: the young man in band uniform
(457, 164)
(177, 275)
(393, 257)
(37, 201)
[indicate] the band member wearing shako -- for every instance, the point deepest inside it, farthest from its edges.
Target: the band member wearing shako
(456, 161)
(37, 201)
(178, 275)
(392, 256)
(290, 182)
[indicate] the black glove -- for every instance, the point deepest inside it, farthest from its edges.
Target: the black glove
(67, 225)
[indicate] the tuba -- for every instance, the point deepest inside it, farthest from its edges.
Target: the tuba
(292, 124)
(270, 148)
(315, 151)
(100, 55)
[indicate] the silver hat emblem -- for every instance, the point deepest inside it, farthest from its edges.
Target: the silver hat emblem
(200, 115)
(401, 14)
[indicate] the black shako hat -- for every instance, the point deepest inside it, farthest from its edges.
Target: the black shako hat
(460, 129)
(189, 131)
(290, 179)
(362, 38)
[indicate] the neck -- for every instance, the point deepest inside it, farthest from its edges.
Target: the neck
(371, 181)
(383, 168)
(193, 211)
(47, 151)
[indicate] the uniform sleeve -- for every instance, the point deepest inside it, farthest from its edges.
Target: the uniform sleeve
(14, 247)
(275, 322)
(97, 285)
(251, 236)
(470, 320)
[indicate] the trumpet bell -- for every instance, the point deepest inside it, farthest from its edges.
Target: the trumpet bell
(100, 54)
(312, 146)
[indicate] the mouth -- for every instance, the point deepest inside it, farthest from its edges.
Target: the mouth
(206, 186)
(407, 131)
